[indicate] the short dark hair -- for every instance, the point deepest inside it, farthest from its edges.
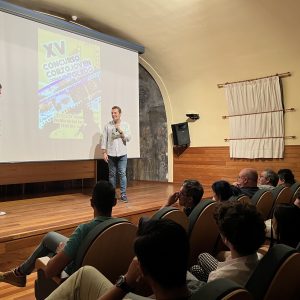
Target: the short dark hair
(272, 176)
(162, 249)
(194, 189)
(104, 196)
(287, 176)
(222, 189)
(287, 224)
(118, 108)
(242, 225)
(0, 86)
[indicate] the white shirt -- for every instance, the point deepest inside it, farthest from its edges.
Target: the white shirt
(237, 269)
(112, 141)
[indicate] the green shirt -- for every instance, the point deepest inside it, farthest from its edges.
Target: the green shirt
(76, 239)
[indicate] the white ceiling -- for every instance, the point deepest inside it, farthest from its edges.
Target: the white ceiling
(176, 33)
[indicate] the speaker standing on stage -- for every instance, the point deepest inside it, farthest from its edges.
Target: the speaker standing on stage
(116, 134)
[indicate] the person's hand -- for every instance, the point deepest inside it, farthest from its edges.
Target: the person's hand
(134, 273)
(60, 247)
(105, 157)
(172, 199)
(236, 184)
(118, 128)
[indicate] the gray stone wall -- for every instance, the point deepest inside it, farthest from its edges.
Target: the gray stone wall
(153, 164)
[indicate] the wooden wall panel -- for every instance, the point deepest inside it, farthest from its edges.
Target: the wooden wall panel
(27, 172)
(208, 164)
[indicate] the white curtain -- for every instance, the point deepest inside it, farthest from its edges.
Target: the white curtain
(256, 132)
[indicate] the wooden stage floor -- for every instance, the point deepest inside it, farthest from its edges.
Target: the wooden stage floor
(26, 222)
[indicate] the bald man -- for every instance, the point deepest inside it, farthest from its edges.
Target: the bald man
(247, 181)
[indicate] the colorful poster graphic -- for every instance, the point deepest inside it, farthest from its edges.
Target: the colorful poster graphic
(69, 86)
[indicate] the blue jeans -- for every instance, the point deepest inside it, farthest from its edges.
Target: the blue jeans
(118, 164)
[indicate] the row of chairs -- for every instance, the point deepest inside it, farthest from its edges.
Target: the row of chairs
(109, 246)
(266, 200)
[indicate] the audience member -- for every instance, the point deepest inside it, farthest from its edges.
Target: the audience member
(242, 230)
(189, 196)
(268, 179)
(247, 182)
(286, 177)
(64, 249)
(286, 223)
(161, 249)
(223, 190)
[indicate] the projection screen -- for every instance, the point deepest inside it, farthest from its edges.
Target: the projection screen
(57, 92)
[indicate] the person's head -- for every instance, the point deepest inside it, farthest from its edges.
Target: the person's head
(222, 190)
(116, 113)
(247, 178)
(286, 177)
(190, 193)
(268, 177)
(103, 197)
(162, 249)
(286, 224)
(241, 226)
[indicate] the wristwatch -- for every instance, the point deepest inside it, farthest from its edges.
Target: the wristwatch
(122, 284)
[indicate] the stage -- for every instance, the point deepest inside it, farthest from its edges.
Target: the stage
(28, 220)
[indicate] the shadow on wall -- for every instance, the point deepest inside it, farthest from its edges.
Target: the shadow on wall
(153, 164)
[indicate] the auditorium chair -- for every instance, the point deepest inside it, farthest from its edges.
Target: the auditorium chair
(263, 200)
(203, 230)
(174, 214)
(276, 275)
(281, 194)
(108, 248)
(295, 189)
(242, 198)
(221, 289)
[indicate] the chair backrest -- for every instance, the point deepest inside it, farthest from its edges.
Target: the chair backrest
(242, 198)
(108, 248)
(277, 275)
(221, 289)
(281, 194)
(263, 200)
(174, 214)
(203, 230)
(295, 188)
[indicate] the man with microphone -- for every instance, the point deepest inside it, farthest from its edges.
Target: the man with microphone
(115, 136)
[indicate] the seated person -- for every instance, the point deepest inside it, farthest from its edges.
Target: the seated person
(223, 190)
(161, 249)
(242, 230)
(286, 177)
(268, 179)
(286, 223)
(189, 196)
(60, 247)
(247, 182)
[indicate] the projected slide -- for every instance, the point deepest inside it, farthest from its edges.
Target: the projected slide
(69, 92)
(58, 88)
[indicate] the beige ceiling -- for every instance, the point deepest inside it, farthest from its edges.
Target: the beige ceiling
(185, 37)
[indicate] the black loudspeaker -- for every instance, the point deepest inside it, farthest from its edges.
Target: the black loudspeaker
(181, 135)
